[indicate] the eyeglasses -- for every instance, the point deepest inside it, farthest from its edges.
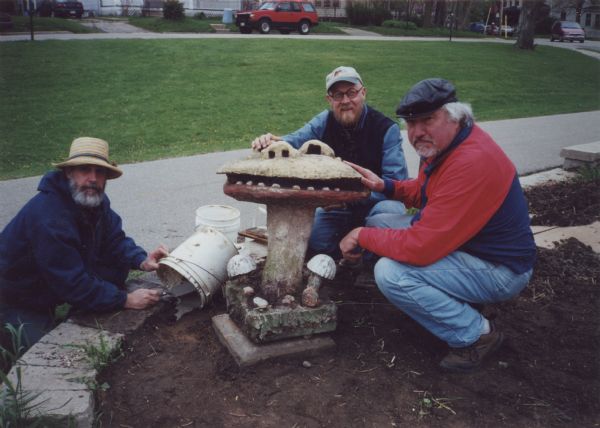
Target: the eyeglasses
(350, 93)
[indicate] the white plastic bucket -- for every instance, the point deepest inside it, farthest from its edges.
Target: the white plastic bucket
(200, 260)
(223, 218)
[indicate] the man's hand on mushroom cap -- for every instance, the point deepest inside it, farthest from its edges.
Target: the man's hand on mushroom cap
(264, 141)
(369, 178)
(142, 298)
(151, 262)
(349, 245)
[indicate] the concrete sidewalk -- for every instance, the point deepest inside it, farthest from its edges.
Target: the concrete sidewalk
(157, 200)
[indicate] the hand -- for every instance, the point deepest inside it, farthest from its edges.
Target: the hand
(349, 245)
(142, 298)
(264, 141)
(151, 262)
(369, 178)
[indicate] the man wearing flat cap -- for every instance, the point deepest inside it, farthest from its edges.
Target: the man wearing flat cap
(67, 245)
(469, 243)
(357, 133)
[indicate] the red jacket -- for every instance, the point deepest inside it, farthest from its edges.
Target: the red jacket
(463, 193)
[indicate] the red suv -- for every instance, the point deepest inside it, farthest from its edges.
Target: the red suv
(285, 16)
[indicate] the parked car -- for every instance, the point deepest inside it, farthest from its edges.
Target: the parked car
(285, 16)
(61, 8)
(505, 29)
(477, 27)
(567, 30)
(6, 22)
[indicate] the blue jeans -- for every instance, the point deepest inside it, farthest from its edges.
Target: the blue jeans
(437, 296)
(329, 227)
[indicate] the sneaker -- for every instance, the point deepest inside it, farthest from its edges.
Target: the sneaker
(470, 358)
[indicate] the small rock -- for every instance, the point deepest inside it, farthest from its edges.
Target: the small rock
(503, 364)
(306, 364)
(248, 291)
(288, 300)
(260, 302)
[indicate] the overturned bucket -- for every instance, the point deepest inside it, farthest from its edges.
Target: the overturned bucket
(200, 260)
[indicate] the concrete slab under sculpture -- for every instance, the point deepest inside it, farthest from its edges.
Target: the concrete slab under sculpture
(291, 183)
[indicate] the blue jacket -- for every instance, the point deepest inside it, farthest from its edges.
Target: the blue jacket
(390, 165)
(54, 250)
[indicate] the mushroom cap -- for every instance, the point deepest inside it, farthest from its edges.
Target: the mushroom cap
(322, 265)
(314, 161)
(240, 265)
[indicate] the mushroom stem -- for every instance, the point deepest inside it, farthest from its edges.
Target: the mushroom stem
(289, 227)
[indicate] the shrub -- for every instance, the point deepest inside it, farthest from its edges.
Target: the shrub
(406, 25)
(359, 13)
(378, 15)
(173, 10)
(200, 15)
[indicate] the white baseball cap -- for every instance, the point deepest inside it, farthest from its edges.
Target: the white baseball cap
(342, 74)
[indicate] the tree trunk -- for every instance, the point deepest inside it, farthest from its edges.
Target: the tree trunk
(427, 12)
(440, 13)
(527, 18)
(462, 20)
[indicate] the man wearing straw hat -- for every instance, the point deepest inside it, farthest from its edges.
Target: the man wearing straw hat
(67, 245)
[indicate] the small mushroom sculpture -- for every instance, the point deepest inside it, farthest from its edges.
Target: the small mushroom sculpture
(321, 267)
(240, 265)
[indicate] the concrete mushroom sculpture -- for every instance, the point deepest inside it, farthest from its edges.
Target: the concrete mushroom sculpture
(292, 183)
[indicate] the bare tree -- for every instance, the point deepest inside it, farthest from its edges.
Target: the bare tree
(427, 14)
(530, 10)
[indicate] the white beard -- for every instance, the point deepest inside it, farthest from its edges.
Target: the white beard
(426, 151)
(81, 198)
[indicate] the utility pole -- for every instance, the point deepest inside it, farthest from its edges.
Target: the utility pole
(31, 11)
(501, 17)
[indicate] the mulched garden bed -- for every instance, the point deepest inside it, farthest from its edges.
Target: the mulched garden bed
(384, 369)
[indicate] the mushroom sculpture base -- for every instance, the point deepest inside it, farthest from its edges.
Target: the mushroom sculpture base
(279, 321)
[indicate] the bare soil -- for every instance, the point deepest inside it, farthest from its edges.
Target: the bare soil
(384, 369)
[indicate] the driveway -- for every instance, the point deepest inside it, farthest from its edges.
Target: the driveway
(112, 26)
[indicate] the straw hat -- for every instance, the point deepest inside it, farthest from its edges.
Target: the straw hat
(90, 151)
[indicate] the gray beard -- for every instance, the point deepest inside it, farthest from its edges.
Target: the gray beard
(80, 198)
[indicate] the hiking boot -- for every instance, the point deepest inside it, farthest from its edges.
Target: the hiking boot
(470, 358)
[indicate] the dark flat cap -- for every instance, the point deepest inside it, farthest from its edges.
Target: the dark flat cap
(426, 97)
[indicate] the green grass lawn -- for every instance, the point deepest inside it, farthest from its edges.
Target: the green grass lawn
(155, 99)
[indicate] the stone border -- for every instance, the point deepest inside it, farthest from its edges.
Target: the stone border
(56, 369)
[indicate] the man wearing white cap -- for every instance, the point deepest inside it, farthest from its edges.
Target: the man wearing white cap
(67, 245)
(357, 133)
